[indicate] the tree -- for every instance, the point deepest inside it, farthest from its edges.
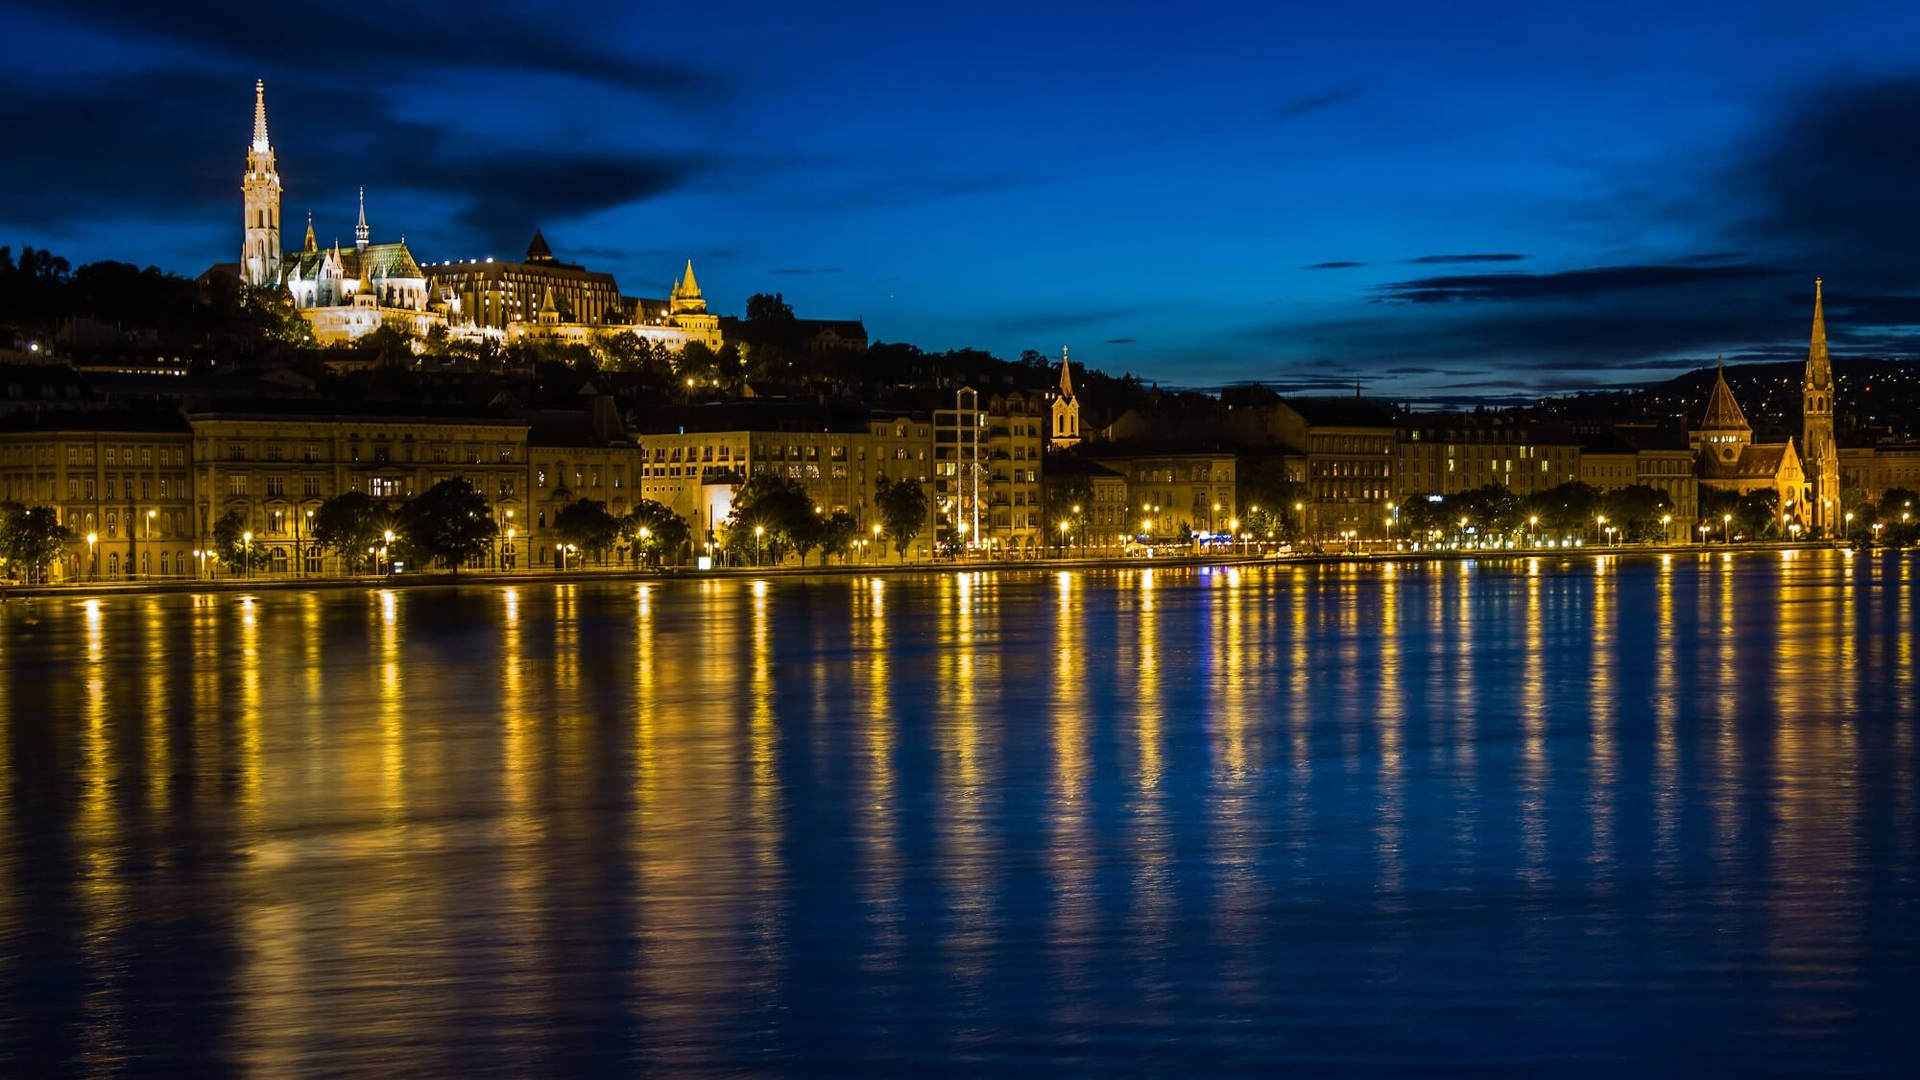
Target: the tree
(1267, 495)
(782, 512)
(1567, 508)
(1491, 508)
(1637, 511)
(31, 538)
(837, 531)
(233, 544)
(450, 521)
(1070, 499)
(655, 532)
(588, 525)
(350, 523)
(902, 505)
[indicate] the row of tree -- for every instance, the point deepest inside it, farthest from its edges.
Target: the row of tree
(1568, 509)
(773, 516)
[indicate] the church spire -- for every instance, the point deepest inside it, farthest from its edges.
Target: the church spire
(1066, 374)
(309, 247)
(1819, 366)
(688, 289)
(360, 231)
(260, 115)
(260, 252)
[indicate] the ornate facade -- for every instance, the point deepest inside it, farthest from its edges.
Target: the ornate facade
(343, 294)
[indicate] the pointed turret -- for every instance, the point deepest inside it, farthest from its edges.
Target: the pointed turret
(685, 299)
(538, 251)
(1066, 407)
(260, 115)
(1723, 412)
(549, 311)
(1819, 365)
(361, 233)
(309, 247)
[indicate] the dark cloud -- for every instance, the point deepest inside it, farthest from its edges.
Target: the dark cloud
(1446, 260)
(797, 271)
(1042, 321)
(1308, 104)
(1341, 265)
(1119, 341)
(362, 44)
(326, 145)
(1833, 181)
(1564, 285)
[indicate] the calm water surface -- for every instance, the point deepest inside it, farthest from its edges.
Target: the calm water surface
(1472, 820)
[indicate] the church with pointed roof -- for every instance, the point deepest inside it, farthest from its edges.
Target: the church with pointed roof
(1066, 408)
(1804, 474)
(342, 293)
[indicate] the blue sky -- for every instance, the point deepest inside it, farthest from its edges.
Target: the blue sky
(1464, 199)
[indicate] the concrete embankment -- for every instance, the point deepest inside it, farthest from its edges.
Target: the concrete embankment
(442, 579)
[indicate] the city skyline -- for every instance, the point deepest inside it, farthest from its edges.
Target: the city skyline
(1434, 237)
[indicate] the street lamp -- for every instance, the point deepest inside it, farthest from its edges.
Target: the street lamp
(92, 539)
(1666, 528)
(1533, 530)
(1726, 528)
(758, 532)
(246, 553)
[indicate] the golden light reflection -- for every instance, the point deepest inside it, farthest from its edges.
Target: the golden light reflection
(1533, 739)
(1603, 708)
(1390, 831)
(1070, 865)
(878, 823)
(1666, 718)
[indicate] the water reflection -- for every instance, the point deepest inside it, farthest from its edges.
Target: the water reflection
(1153, 820)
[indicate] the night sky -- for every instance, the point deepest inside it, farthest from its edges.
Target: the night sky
(1430, 198)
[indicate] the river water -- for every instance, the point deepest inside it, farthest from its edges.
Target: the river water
(1466, 819)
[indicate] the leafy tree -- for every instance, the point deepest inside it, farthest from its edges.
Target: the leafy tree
(450, 521)
(31, 539)
(1637, 511)
(350, 523)
(837, 532)
(1491, 508)
(781, 509)
(902, 505)
(1567, 508)
(655, 533)
(587, 524)
(769, 310)
(1267, 496)
(1897, 501)
(233, 544)
(389, 345)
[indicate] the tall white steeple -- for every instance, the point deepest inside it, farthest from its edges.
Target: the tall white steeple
(260, 251)
(360, 232)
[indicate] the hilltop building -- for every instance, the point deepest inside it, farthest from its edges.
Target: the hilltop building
(343, 294)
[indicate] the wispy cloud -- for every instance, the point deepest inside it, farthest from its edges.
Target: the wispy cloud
(1308, 104)
(1566, 284)
(1338, 265)
(1444, 260)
